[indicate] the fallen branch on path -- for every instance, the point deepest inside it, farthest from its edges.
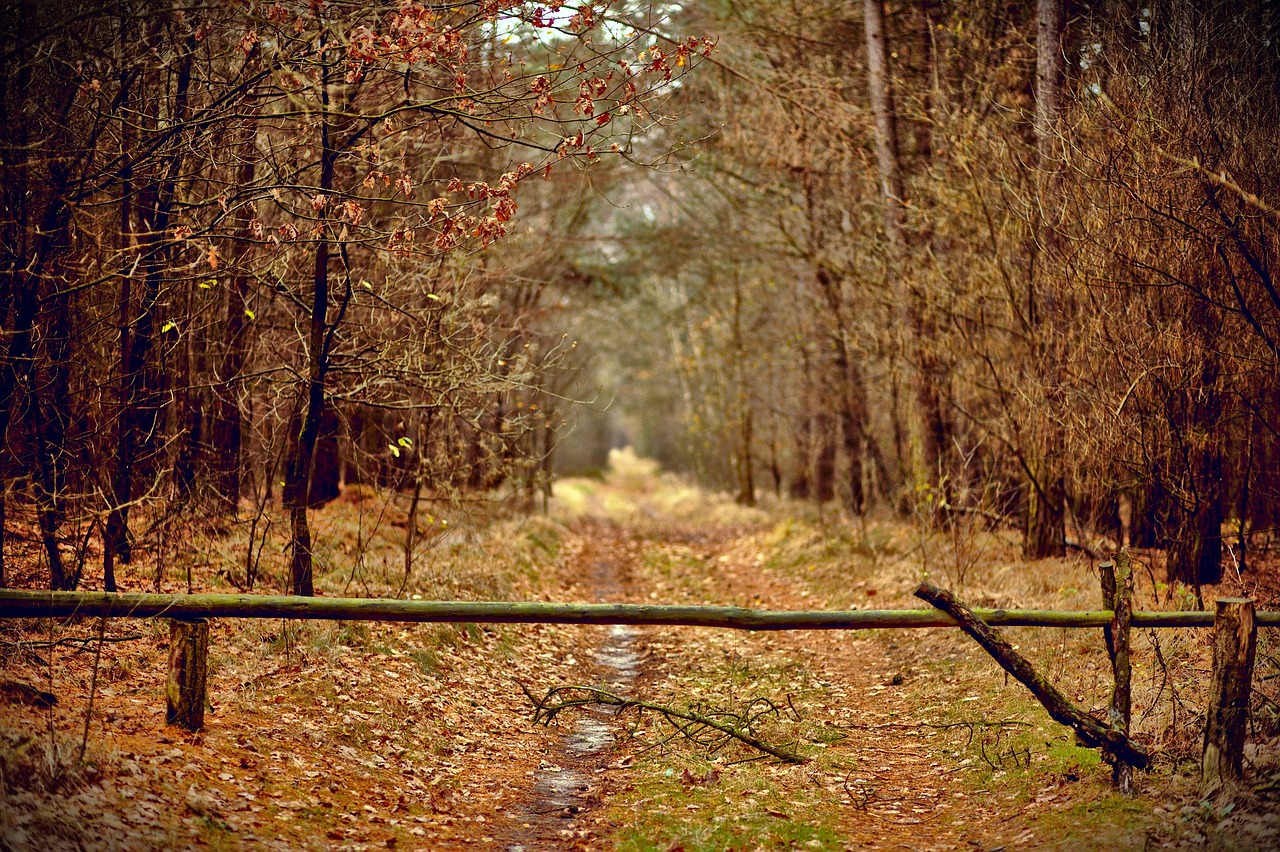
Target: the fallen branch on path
(1092, 732)
(691, 725)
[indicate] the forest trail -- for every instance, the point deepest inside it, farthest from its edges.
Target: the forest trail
(900, 785)
(565, 787)
(419, 737)
(900, 795)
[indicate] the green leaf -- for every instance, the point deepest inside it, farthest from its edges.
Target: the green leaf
(404, 442)
(169, 326)
(250, 314)
(433, 297)
(368, 285)
(395, 451)
(205, 285)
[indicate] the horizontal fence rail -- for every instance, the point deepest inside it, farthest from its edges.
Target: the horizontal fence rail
(28, 604)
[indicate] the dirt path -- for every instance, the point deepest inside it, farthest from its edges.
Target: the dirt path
(900, 742)
(566, 787)
(901, 785)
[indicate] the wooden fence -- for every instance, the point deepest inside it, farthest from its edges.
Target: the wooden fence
(1235, 624)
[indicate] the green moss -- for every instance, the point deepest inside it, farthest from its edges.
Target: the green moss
(744, 811)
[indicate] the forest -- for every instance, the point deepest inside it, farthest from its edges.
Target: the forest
(786, 304)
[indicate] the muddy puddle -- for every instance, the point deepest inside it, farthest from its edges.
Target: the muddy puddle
(566, 789)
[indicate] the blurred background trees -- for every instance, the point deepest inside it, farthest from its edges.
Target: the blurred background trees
(968, 262)
(1004, 263)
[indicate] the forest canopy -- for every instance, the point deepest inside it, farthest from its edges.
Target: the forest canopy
(959, 261)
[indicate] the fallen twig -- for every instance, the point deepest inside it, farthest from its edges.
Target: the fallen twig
(79, 642)
(688, 723)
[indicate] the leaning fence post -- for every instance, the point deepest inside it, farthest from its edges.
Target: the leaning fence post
(188, 670)
(1235, 634)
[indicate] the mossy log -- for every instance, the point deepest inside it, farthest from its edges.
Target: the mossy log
(44, 604)
(1091, 732)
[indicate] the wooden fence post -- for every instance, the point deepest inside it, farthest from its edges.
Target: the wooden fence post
(188, 671)
(1117, 594)
(1235, 634)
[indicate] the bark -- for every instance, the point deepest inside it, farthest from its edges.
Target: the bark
(886, 127)
(186, 689)
(1045, 531)
(745, 459)
(1234, 647)
(1050, 22)
(824, 457)
(227, 430)
(138, 400)
(326, 466)
(934, 427)
(852, 395)
(1117, 594)
(298, 471)
(1045, 535)
(50, 406)
(1195, 546)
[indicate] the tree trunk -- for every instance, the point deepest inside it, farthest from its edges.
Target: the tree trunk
(824, 457)
(1050, 22)
(746, 468)
(1235, 633)
(326, 466)
(50, 406)
(1195, 546)
(933, 425)
(298, 471)
(227, 429)
(851, 396)
(138, 402)
(186, 688)
(1045, 532)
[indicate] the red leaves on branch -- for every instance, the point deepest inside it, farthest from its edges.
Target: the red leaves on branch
(248, 41)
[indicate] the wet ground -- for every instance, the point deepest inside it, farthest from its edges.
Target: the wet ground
(566, 785)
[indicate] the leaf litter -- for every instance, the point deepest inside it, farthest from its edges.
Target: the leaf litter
(390, 736)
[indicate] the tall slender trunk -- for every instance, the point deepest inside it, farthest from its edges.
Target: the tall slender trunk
(1050, 22)
(932, 418)
(226, 433)
(745, 462)
(1045, 529)
(801, 482)
(852, 399)
(51, 415)
(138, 404)
(297, 483)
(19, 359)
(1195, 546)
(24, 250)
